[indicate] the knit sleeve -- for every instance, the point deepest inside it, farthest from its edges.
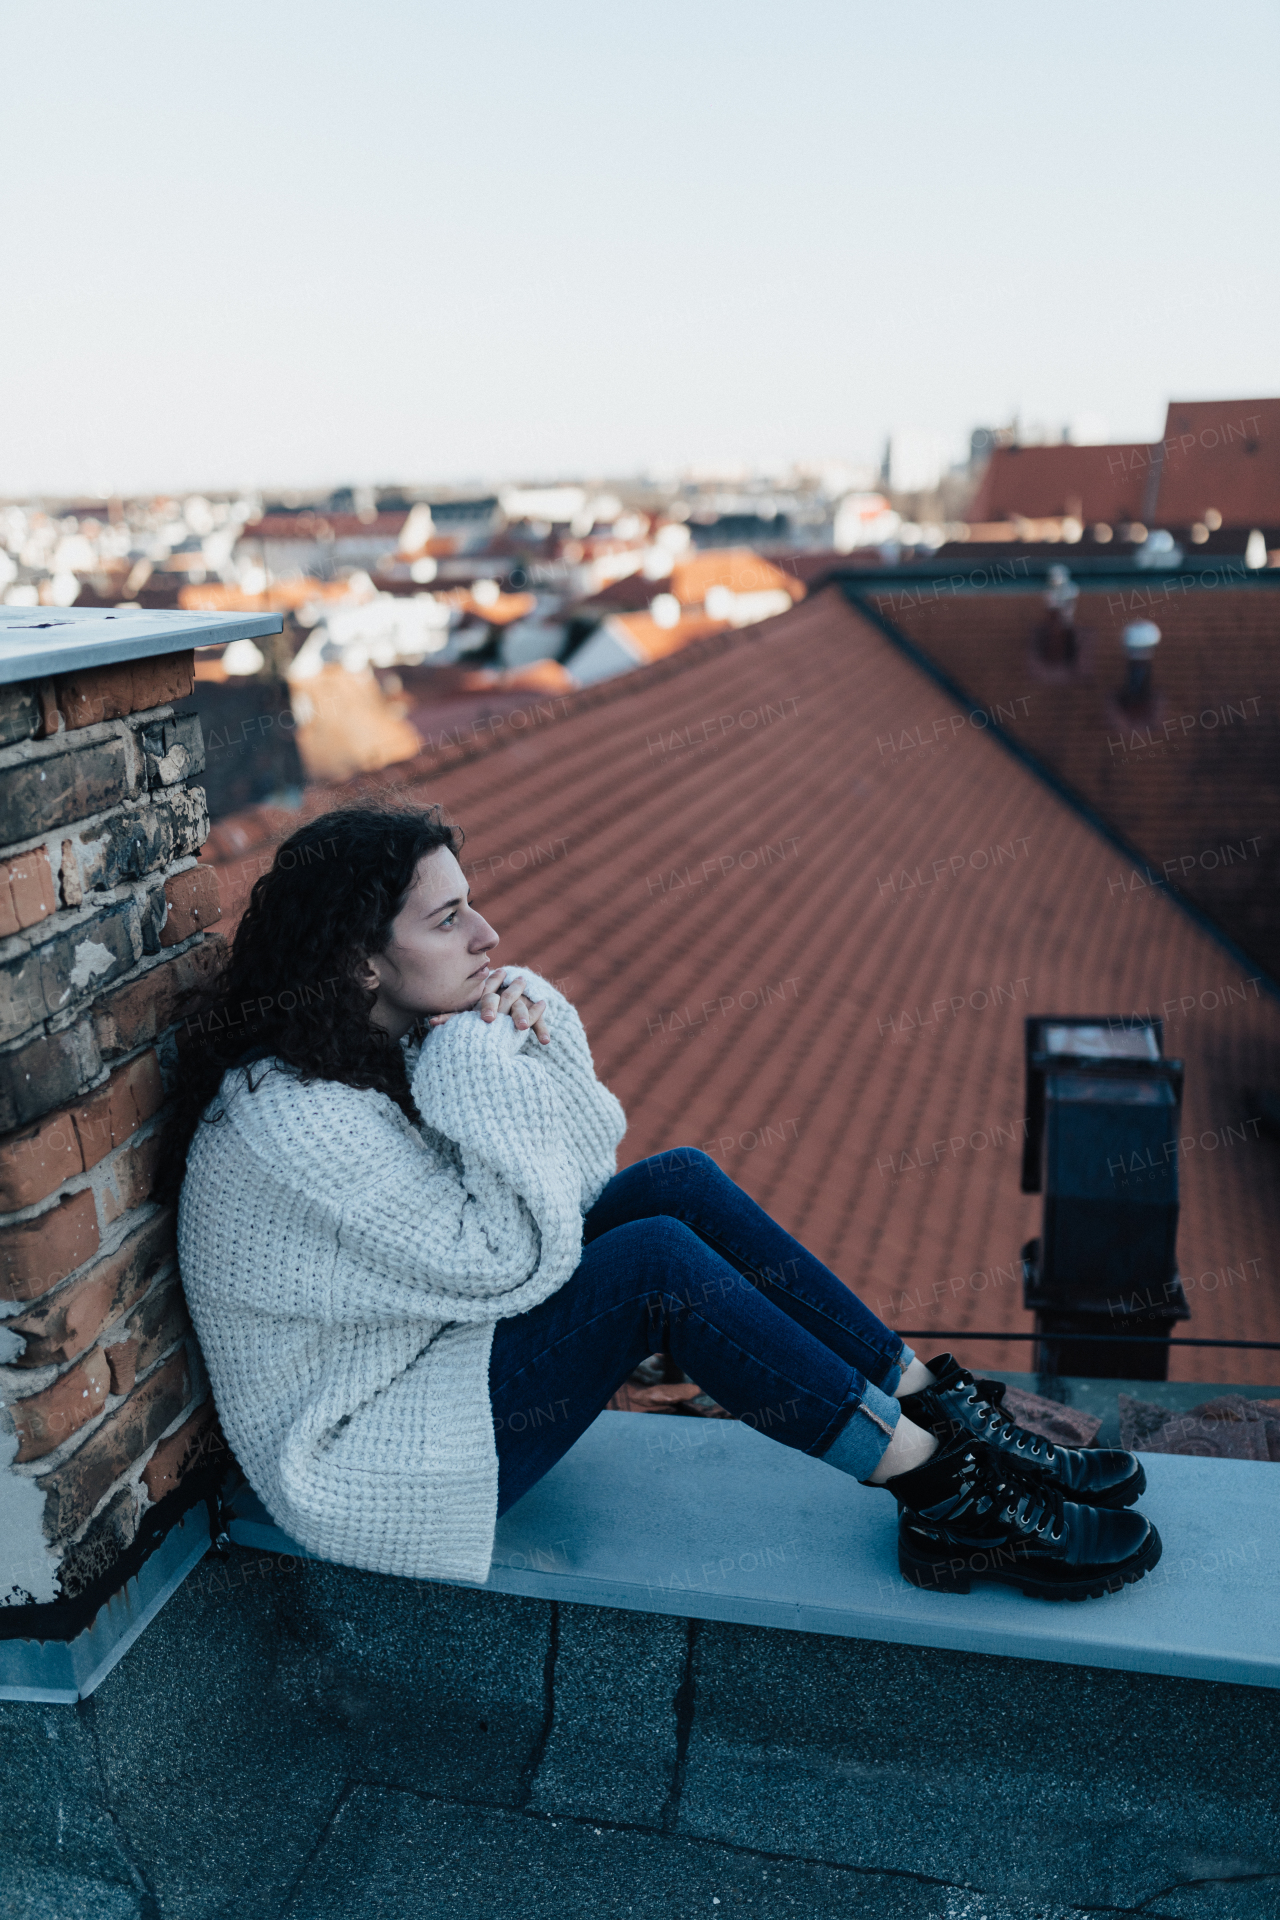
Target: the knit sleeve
(478, 1083)
(592, 1121)
(487, 1231)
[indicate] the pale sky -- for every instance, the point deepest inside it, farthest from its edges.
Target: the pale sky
(295, 242)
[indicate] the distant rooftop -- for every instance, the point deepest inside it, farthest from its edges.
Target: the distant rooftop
(1224, 456)
(1193, 779)
(1218, 464)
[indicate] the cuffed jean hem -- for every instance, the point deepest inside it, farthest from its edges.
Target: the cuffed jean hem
(859, 1446)
(893, 1379)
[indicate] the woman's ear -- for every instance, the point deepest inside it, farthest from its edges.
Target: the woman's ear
(367, 974)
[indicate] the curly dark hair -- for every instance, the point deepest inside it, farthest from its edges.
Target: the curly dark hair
(288, 989)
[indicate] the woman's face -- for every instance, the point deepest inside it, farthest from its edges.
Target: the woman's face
(437, 958)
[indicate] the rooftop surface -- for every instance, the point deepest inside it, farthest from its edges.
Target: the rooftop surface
(1194, 781)
(288, 1731)
(810, 951)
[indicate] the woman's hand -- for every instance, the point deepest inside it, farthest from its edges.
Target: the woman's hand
(509, 998)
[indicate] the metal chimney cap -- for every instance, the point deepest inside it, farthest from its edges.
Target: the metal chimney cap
(1140, 636)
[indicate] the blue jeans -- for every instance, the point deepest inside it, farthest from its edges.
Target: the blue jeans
(678, 1259)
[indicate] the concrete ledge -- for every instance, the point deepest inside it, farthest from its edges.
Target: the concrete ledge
(36, 642)
(61, 1672)
(707, 1520)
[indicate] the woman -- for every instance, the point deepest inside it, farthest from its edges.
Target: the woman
(400, 1227)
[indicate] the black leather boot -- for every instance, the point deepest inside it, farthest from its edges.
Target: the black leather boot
(968, 1514)
(959, 1404)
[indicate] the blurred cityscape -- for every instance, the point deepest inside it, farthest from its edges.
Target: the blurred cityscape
(410, 612)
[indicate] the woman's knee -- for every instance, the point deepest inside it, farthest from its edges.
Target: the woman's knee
(658, 1236)
(656, 1259)
(683, 1271)
(683, 1164)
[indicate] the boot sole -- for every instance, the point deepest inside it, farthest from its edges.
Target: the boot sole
(956, 1573)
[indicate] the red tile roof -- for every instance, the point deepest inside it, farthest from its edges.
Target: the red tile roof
(1217, 456)
(282, 595)
(654, 642)
(813, 958)
(1223, 456)
(1194, 785)
(631, 594)
(810, 566)
(1091, 484)
(323, 526)
(741, 569)
(498, 612)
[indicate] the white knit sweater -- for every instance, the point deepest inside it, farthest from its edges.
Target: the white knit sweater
(345, 1270)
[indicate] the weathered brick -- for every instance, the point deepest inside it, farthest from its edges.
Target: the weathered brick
(122, 1358)
(37, 795)
(34, 1163)
(70, 883)
(38, 1253)
(72, 1318)
(153, 911)
(163, 678)
(44, 1420)
(197, 1440)
(51, 721)
(113, 1113)
(22, 1002)
(140, 840)
(100, 1545)
(193, 903)
(27, 892)
(19, 714)
(94, 693)
(130, 686)
(132, 1178)
(93, 951)
(73, 1490)
(174, 750)
(142, 1009)
(70, 966)
(48, 1072)
(159, 1322)
(188, 809)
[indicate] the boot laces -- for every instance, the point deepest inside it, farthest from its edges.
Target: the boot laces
(998, 1426)
(1023, 1501)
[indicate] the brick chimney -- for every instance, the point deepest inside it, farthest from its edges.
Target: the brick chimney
(104, 1404)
